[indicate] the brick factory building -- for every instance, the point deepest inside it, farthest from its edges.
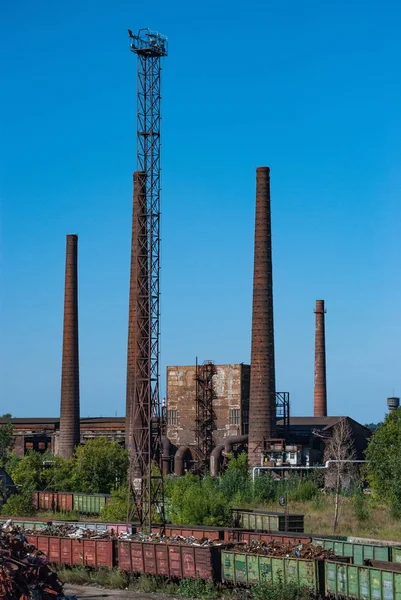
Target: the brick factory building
(230, 403)
(41, 434)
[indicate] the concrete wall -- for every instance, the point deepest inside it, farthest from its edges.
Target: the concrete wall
(231, 385)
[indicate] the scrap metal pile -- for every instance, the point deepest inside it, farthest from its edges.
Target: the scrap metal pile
(174, 539)
(78, 532)
(288, 550)
(24, 572)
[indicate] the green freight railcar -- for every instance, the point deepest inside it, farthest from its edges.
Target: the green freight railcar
(259, 520)
(241, 568)
(396, 554)
(358, 552)
(361, 583)
(90, 504)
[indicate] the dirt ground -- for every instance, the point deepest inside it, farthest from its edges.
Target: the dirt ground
(92, 593)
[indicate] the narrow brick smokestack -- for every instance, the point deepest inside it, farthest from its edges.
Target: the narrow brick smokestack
(320, 393)
(138, 363)
(262, 402)
(69, 410)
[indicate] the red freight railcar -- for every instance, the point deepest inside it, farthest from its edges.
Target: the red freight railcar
(244, 536)
(198, 532)
(88, 552)
(178, 561)
(65, 501)
(45, 500)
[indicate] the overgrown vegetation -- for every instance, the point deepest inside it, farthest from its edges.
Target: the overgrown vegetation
(384, 467)
(329, 499)
(99, 466)
(186, 588)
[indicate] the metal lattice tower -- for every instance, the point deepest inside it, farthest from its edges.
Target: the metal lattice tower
(143, 400)
(205, 417)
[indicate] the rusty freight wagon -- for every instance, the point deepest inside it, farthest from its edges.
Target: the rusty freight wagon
(243, 568)
(238, 535)
(65, 550)
(173, 560)
(260, 520)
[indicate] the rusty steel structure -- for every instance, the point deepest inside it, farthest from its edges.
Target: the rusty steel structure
(205, 415)
(320, 387)
(69, 407)
(283, 412)
(143, 399)
(262, 401)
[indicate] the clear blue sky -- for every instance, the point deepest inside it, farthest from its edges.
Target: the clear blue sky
(312, 89)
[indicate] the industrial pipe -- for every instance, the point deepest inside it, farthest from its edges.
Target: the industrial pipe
(166, 454)
(183, 453)
(224, 449)
(290, 468)
(216, 460)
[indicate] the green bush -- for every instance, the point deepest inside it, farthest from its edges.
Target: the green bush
(19, 505)
(280, 590)
(117, 509)
(360, 506)
(265, 489)
(197, 588)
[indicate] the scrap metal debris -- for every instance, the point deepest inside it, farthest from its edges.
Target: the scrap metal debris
(79, 532)
(287, 550)
(174, 539)
(24, 572)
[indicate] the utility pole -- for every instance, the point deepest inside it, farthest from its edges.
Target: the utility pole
(143, 399)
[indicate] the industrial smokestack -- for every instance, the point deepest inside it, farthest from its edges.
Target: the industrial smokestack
(393, 404)
(262, 401)
(138, 364)
(320, 391)
(69, 410)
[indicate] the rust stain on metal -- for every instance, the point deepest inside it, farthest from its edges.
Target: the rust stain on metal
(262, 408)
(69, 411)
(320, 391)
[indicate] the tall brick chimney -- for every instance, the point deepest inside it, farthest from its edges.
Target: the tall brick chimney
(320, 392)
(262, 401)
(138, 362)
(69, 409)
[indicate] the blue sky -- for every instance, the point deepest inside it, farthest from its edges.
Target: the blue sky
(311, 89)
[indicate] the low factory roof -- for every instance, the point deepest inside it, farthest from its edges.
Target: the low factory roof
(305, 424)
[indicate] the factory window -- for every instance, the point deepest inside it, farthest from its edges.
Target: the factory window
(235, 416)
(172, 417)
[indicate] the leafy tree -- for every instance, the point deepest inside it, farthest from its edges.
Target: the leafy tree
(100, 466)
(37, 471)
(235, 482)
(19, 505)
(29, 472)
(372, 426)
(116, 510)
(384, 461)
(340, 448)
(196, 501)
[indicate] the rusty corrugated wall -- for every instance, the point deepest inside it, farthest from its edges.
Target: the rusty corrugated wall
(262, 401)
(320, 390)
(69, 410)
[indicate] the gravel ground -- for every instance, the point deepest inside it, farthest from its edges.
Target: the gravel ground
(89, 592)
